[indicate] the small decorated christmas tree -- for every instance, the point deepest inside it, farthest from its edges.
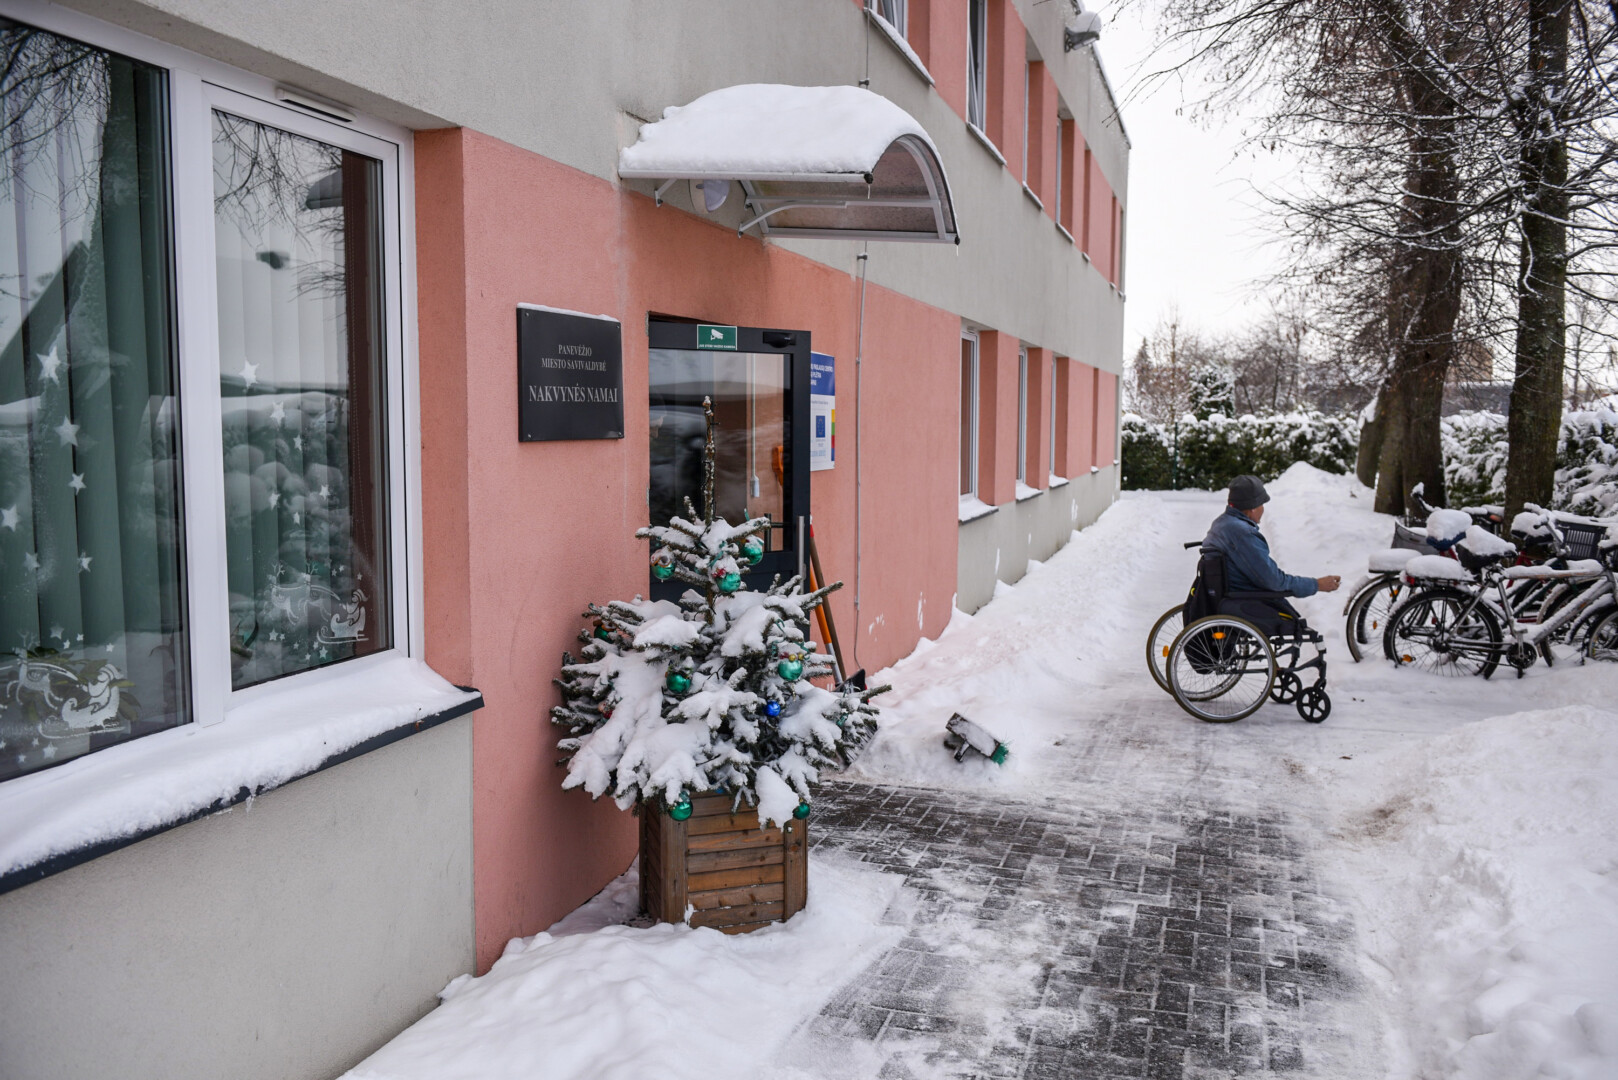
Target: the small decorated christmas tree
(715, 692)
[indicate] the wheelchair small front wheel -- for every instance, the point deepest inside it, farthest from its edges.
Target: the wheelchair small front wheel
(1286, 688)
(1220, 669)
(1314, 705)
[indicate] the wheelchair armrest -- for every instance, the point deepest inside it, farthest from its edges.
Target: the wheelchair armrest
(1257, 595)
(1192, 543)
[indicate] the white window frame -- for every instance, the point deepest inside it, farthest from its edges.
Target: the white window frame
(198, 85)
(896, 13)
(1022, 415)
(977, 64)
(1051, 457)
(970, 482)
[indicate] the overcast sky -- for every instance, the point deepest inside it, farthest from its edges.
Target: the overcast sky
(1196, 231)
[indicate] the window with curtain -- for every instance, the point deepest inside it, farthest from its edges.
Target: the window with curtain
(893, 12)
(977, 63)
(92, 648)
(298, 231)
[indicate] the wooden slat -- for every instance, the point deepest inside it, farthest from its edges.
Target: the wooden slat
(732, 841)
(743, 928)
(797, 867)
(732, 916)
(773, 855)
(728, 879)
(746, 821)
(709, 805)
(745, 894)
(649, 894)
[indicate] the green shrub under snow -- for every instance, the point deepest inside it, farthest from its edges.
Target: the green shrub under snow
(1207, 453)
(1586, 460)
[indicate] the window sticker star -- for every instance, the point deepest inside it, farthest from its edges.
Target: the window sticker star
(297, 441)
(278, 413)
(275, 497)
(68, 432)
(57, 631)
(30, 561)
(9, 517)
(49, 363)
(49, 752)
(84, 562)
(77, 483)
(249, 374)
(325, 491)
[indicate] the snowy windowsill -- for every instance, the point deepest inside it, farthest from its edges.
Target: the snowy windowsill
(1028, 191)
(898, 41)
(1095, 469)
(72, 813)
(1024, 492)
(973, 508)
(987, 142)
(1085, 255)
(1063, 230)
(1057, 481)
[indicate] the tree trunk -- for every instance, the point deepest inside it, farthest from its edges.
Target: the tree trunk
(1371, 442)
(1534, 426)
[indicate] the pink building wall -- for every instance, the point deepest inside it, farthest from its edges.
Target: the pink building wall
(1081, 419)
(519, 537)
(1037, 466)
(1106, 418)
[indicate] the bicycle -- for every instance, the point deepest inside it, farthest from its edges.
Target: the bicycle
(1451, 624)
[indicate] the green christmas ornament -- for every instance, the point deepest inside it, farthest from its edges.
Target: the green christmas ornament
(681, 810)
(662, 567)
(999, 755)
(790, 670)
(801, 811)
(730, 582)
(678, 682)
(602, 633)
(753, 550)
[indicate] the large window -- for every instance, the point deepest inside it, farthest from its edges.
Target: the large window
(91, 584)
(187, 506)
(977, 63)
(969, 414)
(894, 12)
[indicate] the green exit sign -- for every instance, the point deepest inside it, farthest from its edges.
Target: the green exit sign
(716, 337)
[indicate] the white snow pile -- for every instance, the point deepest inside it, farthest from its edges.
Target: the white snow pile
(1487, 862)
(1445, 527)
(1436, 568)
(767, 130)
(1481, 542)
(588, 1000)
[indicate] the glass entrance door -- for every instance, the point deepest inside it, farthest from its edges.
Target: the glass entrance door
(759, 386)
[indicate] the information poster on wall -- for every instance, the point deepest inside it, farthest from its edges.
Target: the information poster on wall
(822, 411)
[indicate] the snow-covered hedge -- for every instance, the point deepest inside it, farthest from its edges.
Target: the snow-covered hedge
(1212, 451)
(1586, 459)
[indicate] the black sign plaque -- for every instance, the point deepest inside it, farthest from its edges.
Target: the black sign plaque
(570, 376)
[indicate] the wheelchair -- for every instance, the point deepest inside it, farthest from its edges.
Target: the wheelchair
(1223, 654)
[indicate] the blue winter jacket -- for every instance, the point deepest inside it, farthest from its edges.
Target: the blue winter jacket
(1248, 566)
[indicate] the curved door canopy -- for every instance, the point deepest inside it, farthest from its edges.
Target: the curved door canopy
(827, 161)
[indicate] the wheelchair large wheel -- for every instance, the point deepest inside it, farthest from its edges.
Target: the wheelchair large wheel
(1220, 669)
(1164, 631)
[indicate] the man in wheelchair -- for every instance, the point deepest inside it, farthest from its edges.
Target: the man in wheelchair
(1242, 642)
(1250, 569)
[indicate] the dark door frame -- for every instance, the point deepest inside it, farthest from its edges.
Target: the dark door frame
(664, 332)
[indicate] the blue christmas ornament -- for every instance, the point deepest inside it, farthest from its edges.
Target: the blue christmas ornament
(772, 708)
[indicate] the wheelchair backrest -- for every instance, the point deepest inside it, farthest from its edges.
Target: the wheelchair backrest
(1208, 589)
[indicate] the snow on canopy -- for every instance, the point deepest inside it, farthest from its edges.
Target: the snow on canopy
(767, 131)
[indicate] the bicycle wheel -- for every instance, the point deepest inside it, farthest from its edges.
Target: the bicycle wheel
(1368, 614)
(1220, 669)
(1445, 631)
(1602, 641)
(1564, 646)
(1164, 631)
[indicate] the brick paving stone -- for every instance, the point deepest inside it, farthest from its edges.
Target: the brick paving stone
(1178, 941)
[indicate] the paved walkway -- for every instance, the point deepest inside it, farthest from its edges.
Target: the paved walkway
(1178, 942)
(1146, 906)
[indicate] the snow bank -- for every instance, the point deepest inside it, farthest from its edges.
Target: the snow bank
(1487, 864)
(596, 1001)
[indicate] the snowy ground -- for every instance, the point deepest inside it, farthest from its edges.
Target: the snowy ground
(1470, 827)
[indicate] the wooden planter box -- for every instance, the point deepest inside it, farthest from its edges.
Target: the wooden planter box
(736, 876)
